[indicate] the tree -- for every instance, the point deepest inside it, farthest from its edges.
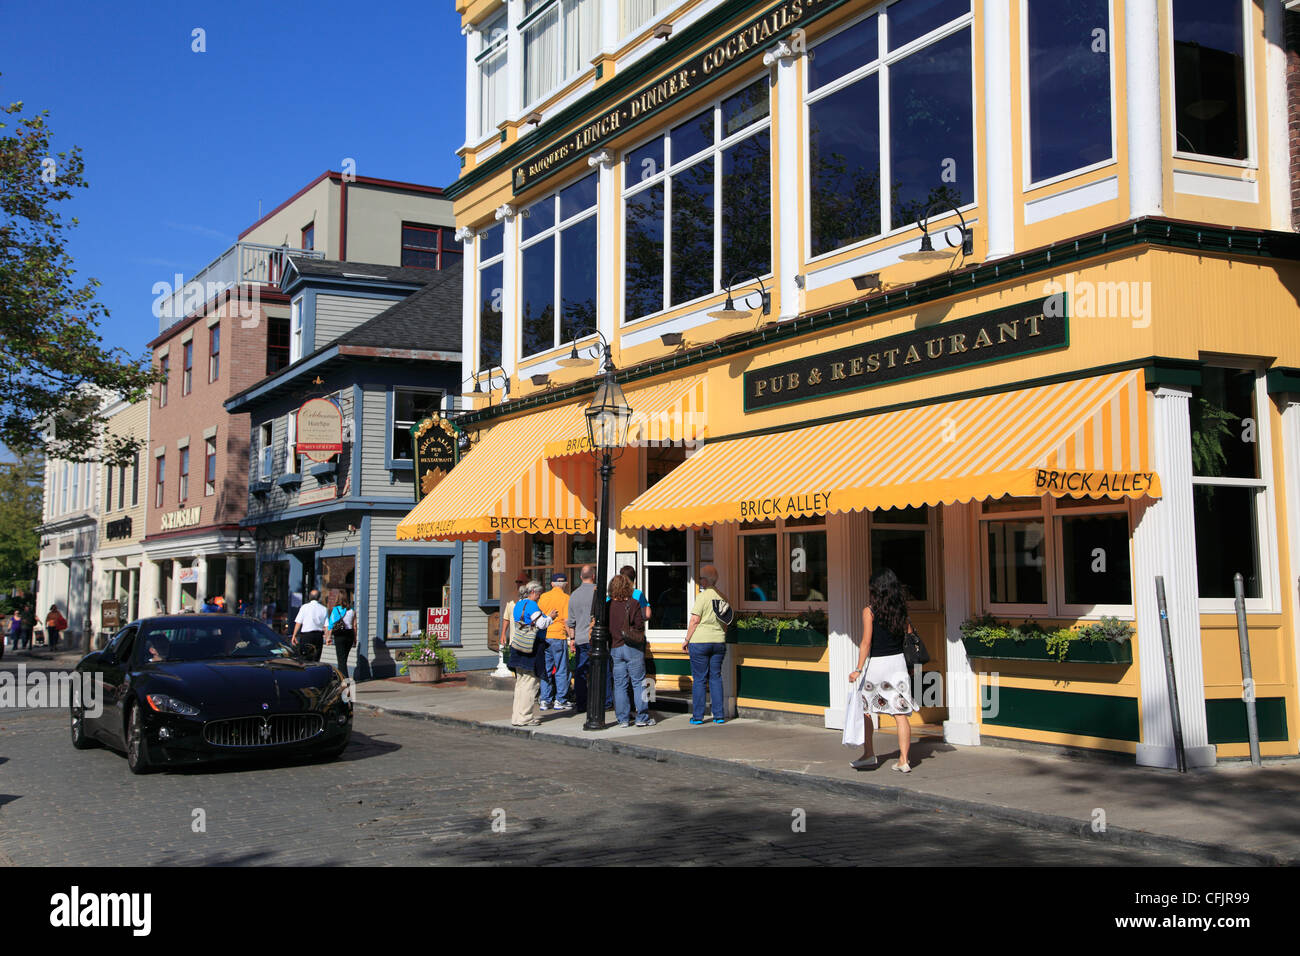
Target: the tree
(54, 368)
(22, 486)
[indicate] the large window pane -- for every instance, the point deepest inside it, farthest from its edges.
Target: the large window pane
(692, 136)
(745, 108)
(490, 288)
(843, 53)
(1227, 540)
(1069, 85)
(643, 291)
(692, 259)
(578, 280)
(412, 584)
(541, 55)
(538, 314)
(760, 556)
(807, 565)
(665, 547)
(1096, 564)
(844, 156)
(645, 162)
(1016, 561)
(579, 197)
(1224, 430)
(537, 218)
(1210, 77)
(747, 207)
(490, 242)
(931, 153)
(909, 19)
(901, 550)
(665, 589)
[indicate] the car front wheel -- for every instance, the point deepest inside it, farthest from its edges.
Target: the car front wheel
(137, 756)
(80, 739)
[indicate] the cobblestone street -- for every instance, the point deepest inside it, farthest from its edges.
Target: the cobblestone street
(411, 792)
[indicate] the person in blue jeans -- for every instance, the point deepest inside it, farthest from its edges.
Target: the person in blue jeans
(706, 642)
(627, 653)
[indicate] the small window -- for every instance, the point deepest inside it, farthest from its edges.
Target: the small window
(135, 479)
(183, 474)
(1210, 78)
(187, 377)
(277, 344)
(267, 450)
(295, 331)
(214, 353)
(309, 236)
(160, 481)
(108, 488)
(210, 467)
(427, 247)
(121, 487)
(162, 386)
(410, 406)
(291, 445)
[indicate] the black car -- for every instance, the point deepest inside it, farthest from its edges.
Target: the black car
(187, 688)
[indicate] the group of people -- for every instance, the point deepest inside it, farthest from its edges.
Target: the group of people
(542, 627)
(316, 626)
(22, 622)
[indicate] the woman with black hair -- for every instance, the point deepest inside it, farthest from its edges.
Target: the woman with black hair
(881, 677)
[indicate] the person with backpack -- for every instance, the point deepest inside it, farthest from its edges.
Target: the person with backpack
(528, 654)
(627, 652)
(706, 643)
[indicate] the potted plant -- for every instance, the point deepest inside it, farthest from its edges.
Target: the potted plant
(804, 630)
(427, 661)
(1107, 641)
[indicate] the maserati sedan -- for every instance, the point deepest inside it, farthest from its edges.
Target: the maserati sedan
(188, 688)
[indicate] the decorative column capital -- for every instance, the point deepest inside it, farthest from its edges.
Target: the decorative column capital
(782, 53)
(465, 234)
(603, 158)
(505, 211)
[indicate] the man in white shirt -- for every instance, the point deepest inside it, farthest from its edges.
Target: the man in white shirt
(309, 627)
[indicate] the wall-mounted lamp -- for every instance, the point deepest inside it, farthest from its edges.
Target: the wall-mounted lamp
(672, 338)
(663, 31)
(541, 378)
(927, 251)
(869, 281)
(598, 350)
(729, 310)
(534, 118)
(493, 382)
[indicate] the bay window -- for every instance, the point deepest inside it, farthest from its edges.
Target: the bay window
(492, 76)
(698, 204)
(1068, 70)
(491, 282)
(910, 63)
(559, 241)
(560, 37)
(1210, 101)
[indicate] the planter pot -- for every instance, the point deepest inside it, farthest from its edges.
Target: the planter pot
(424, 673)
(794, 637)
(1035, 649)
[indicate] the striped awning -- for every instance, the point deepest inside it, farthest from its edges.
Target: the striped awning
(1082, 438)
(505, 485)
(670, 413)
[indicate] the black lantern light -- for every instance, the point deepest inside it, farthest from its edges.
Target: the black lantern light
(927, 252)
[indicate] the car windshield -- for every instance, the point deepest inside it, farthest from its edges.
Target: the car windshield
(205, 640)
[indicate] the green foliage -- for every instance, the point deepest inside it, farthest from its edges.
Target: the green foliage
(1208, 457)
(21, 491)
(814, 621)
(52, 358)
(428, 651)
(986, 629)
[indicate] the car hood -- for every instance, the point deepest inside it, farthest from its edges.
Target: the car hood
(226, 687)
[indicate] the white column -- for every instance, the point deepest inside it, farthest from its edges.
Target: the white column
(232, 582)
(472, 105)
(788, 190)
(963, 694)
(201, 582)
(1279, 140)
(847, 547)
(607, 284)
(510, 328)
(469, 330)
(1142, 101)
(610, 25)
(998, 128)
(725, 547)
(1291, 473)
(131, 588)
(514, 60)
(1164, 543)
(174, 598)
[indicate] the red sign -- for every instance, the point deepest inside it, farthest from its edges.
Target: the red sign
(320, 429)
(438, 623)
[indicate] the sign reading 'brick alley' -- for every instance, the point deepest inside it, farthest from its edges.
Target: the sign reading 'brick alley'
(989, 337)
(434, 441)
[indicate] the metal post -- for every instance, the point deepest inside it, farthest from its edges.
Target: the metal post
(1176, 716)
(600, 609)
(1247, 681)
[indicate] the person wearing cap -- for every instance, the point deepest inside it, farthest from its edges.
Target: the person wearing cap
(555, 681)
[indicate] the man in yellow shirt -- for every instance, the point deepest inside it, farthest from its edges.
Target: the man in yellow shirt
(555, 683)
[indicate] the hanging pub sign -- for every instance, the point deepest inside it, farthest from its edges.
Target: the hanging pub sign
(435, 450)
(320, 429)
(1014, 331)
(304, 540)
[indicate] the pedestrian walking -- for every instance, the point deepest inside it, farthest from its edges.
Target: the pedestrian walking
(309, 627)
(15, 630)
(578, 625)
(555, 680)
(706, 643)
(527, 654)
(341, 631)
(627, 653)
(55, 624)
(210, 606)
(880, 682)
(29, 625)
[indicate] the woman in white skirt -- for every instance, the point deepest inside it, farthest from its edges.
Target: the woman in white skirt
(881, 678)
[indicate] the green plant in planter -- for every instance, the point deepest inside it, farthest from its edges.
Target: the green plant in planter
(987, 630)
(427, 650)
(1107, 629)
(808, 621)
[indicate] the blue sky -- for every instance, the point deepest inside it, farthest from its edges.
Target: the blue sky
(180, 146)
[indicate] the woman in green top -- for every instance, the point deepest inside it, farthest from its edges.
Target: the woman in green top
(706, 644)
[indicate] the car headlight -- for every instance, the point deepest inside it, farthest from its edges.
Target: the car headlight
(170, 705)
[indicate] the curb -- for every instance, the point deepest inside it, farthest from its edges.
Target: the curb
(1213, 853)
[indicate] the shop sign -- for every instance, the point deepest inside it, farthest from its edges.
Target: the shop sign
(438, 623)
(189, 575)
(121, 528)
(1061, 482)
(67, 545)
(304, 540)
(434, 442)
(320, 429)
(183, 518)
(751, 40)
(1011, 332)
(323, 493)
(110, 615)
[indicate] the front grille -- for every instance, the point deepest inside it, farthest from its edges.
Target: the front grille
(263, 731)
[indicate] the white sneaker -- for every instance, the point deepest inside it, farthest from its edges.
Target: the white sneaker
(546, 705)
(903, 767)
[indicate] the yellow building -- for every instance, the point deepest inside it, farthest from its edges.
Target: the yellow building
(1090, 382)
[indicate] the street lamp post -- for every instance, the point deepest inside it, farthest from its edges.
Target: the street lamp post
(608, 418)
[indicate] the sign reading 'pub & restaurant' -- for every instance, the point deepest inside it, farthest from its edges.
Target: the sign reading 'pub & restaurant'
(989, 337)
(434, 442)
(754, 37)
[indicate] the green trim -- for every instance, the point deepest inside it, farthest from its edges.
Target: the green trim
(1283, 380)
(1149, 232)
(1176, 372)
(1225, 720)
(600, 70)
(790, 637)
(662, 667)
(1035, 649)
(1084, 715)
(781, 684)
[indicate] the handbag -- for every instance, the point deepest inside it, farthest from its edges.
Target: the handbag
(523, 637)
(914, 651)
(633, 636)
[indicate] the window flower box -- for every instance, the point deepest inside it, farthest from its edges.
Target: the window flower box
(806, 630)
(1107, 641)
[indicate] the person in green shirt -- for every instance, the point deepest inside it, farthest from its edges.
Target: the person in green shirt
(706, 644)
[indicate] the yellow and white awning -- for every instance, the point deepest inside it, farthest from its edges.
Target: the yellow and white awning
(670, 413)
(505, 485)
(1082, 438)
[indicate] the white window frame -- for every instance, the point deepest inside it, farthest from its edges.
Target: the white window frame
(291, 441)
(1248, 67)
(532, 19)
(209, 453)
(628, 30)
(674, 166)
(493, 46)
(1269, 601)
(669, 635)
(783, 604)
(884, 60)
(295, 330)
(1028, 183)
(400, 423)
(266, 451)
(554, 232)
(483, 264)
